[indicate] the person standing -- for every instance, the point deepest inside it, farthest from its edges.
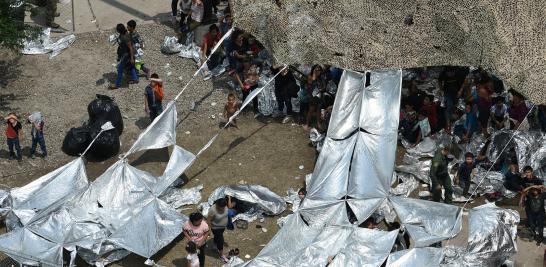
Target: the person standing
(37, 121)
(197, 231)
(439, 176)
(464, 174)
(153, 97)
(218, 221)
(285, 88)
(533, 197)
(51, 13)
(126, 57)
(14, 132)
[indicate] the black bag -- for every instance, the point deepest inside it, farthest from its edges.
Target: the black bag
(105, 109)
(76, 141)
(106, 145)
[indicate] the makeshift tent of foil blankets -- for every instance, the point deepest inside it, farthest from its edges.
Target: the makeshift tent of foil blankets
(122, 211)
(352, 180)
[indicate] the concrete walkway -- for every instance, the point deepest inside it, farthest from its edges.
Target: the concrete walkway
(81, 16)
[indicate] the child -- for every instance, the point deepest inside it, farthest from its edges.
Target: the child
(197, 231)
(153, 96)
(138, 43)
(464, 173)
(424, 127)
(230, 108)
(218, 220)
(37, 133)
(193, 259)
(470, 125)
(14, 132)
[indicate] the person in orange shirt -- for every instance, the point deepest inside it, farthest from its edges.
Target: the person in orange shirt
(14, 132)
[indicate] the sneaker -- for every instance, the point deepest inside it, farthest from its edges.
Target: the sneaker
(286, 119)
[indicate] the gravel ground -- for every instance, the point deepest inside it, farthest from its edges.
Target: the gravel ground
(262, 151)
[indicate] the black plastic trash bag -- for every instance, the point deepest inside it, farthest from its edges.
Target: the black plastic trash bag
(103, 108)
(76, 141)
(106, 145)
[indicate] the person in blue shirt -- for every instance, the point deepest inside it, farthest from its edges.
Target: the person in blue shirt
(464, 173)
(470, 124)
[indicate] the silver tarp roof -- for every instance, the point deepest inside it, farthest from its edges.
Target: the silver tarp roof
(354, 173)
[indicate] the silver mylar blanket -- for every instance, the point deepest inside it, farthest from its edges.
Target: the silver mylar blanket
(354, 172)
(122, 211)
(265, 200)
(44, 44)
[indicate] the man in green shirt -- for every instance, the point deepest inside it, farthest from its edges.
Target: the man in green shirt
(439, 176)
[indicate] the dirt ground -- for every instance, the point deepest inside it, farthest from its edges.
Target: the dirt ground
(263, 151)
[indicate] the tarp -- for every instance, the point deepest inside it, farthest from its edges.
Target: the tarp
(416, 257)
(264, 199)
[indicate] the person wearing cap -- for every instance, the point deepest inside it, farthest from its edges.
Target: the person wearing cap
(439, 176)
(153, 97)
(14, 132)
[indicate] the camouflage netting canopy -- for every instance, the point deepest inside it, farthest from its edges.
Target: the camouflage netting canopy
(506, 37)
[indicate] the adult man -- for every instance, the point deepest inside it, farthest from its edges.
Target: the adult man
(534, 197)
(439, 176)
(529, 177)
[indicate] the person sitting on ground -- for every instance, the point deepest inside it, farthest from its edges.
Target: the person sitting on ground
(14, 133)
(517, 111)
(193, 256)
(499, 114)
(423, 127)
(408, 124)
(512, 179)
(197, 230)
(138, 42)
(464, 173)
(37, 133)
(431, 110)
(529, 177)
(218, 220)
(209, 41)
(230, 108)
(533, 197)
(126, 57)
(439, 176)
(249, 83)
(285, 88)
(470, 125)
(153, 97)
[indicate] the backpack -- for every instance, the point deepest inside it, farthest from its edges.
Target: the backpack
(158, 93)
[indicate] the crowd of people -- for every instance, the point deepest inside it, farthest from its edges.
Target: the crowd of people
(465, 103)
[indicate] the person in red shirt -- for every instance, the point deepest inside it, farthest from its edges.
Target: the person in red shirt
(209, 41)
(13, 134)
(430, 109)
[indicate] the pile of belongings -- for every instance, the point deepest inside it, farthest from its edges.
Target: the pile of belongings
(100, 110)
